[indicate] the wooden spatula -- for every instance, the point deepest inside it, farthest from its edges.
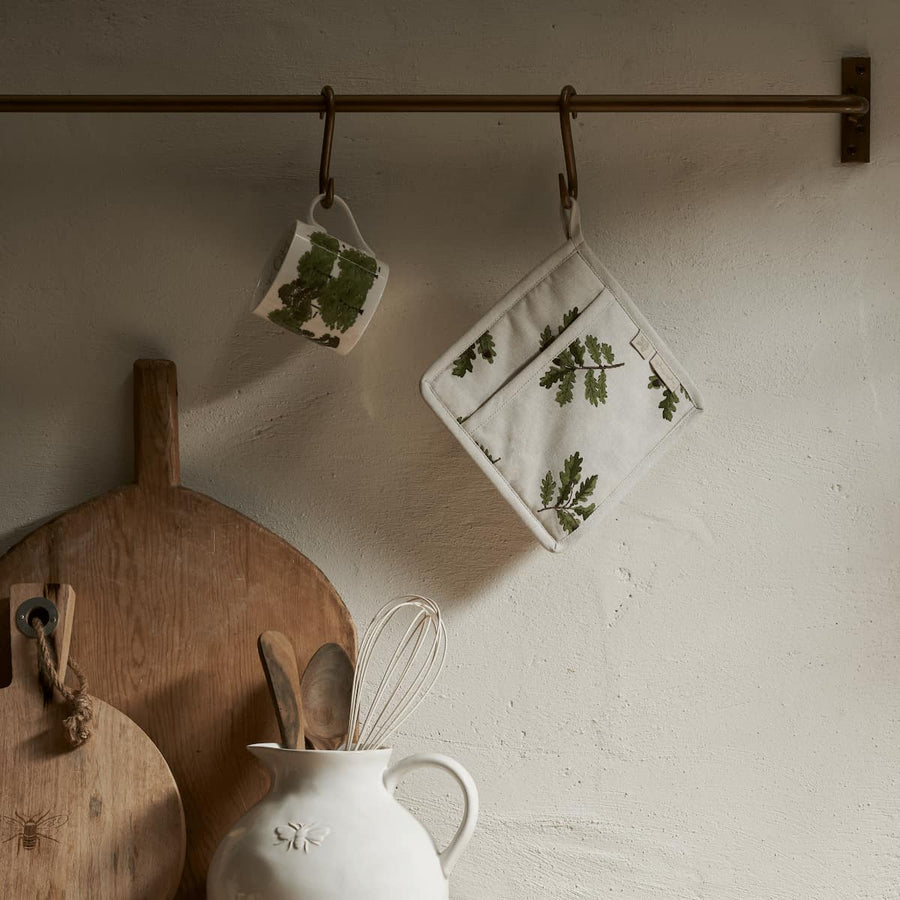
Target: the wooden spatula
(280, 665)
(101, 820)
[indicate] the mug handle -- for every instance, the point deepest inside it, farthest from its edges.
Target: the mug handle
(466, 829)
(360, 240)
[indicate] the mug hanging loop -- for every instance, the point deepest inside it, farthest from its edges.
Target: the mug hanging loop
(326, 182)
(568, 184)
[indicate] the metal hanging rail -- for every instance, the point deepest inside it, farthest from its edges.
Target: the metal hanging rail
(850, 104)
(853, 103)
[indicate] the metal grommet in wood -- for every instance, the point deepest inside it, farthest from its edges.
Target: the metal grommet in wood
(44, 609)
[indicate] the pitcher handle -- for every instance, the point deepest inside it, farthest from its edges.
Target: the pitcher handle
(466, 829)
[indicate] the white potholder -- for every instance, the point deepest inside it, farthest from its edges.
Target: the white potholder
(563, 394)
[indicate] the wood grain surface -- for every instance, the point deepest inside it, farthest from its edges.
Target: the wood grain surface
(101, 821)
(174, 589)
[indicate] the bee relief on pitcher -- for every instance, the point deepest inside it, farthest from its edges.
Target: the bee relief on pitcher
(297, 836)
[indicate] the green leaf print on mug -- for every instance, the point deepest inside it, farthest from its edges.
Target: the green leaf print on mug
(326, 340)
(571, 500)
(338, 300)
(284, 317)
(343, 297)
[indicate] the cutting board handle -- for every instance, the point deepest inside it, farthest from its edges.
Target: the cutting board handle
(24, 666)
(156, 461)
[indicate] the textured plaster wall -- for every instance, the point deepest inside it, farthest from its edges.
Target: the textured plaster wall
(701, 700)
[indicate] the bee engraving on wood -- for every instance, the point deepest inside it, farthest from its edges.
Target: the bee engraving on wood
(30, 831)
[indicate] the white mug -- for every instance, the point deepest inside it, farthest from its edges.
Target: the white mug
(318, 286)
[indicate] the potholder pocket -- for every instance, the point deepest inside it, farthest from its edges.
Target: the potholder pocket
(563, 394)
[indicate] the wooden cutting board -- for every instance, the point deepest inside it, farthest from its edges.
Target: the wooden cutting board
(102, 820)
(173, 590)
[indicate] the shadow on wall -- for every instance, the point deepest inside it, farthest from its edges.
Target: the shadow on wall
(362, 489)
(366, 468)
(389, 481)
(357, 470)
(71, 469)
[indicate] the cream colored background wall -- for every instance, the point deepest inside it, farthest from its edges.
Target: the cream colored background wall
(701, 700)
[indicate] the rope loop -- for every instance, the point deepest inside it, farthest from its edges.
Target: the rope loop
(78, 725)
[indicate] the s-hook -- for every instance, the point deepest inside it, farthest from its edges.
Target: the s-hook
(326, 182)
(568, 184)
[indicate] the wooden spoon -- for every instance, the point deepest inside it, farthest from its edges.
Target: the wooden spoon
(326, 689)
(280, 665)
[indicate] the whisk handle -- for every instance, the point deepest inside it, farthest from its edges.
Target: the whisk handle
(392, 776)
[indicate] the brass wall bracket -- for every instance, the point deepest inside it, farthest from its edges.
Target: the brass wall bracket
(856, 78)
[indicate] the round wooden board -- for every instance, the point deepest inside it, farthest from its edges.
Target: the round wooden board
(101, 821)
(173, 591)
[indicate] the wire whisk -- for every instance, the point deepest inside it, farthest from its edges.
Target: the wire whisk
(407, 678)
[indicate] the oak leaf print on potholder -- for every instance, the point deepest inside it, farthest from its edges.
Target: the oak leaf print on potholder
(483, 347)
(563, 372)
(571, 495)
(669, 397)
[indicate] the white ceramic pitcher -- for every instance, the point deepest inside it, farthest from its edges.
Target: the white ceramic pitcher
(330, 829)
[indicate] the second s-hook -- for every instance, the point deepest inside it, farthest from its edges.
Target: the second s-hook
(326, 182)
(568, 184)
